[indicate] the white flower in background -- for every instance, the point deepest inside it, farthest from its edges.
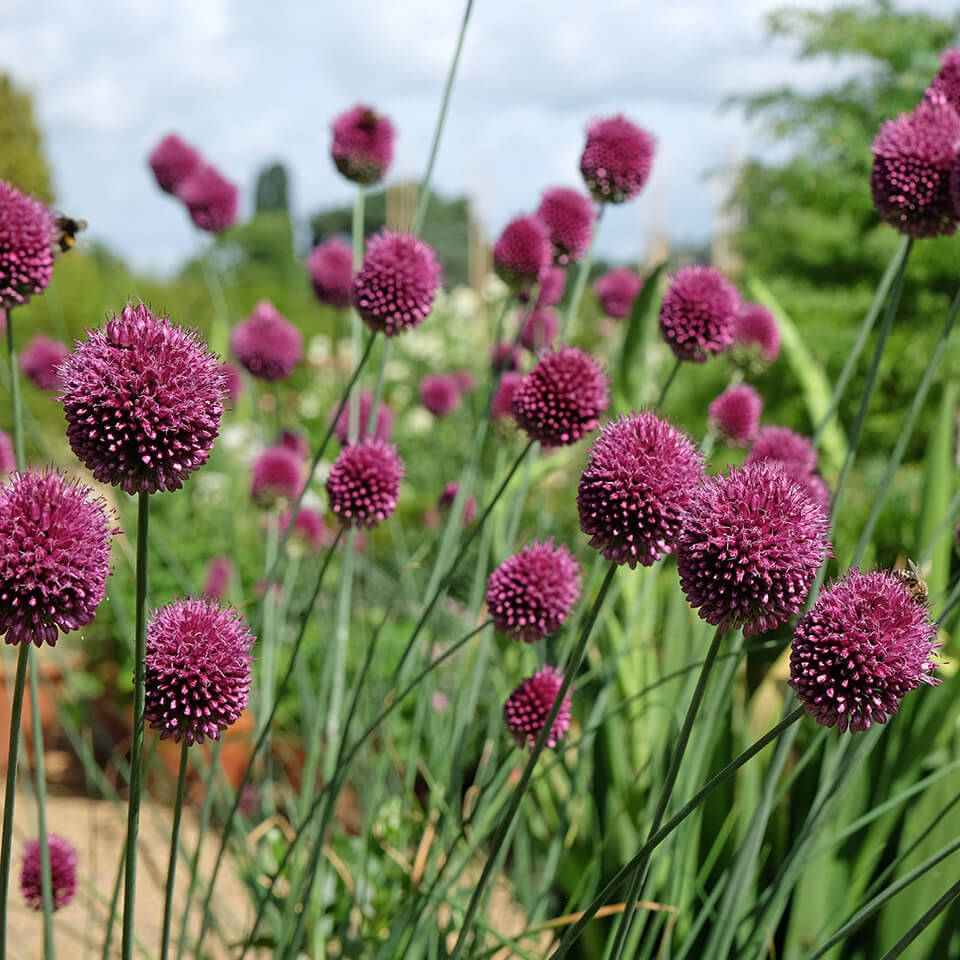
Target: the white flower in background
(420, 420)
(318, 350)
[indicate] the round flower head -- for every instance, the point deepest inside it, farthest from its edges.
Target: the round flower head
(526, 710)
(63, 872)
(197, 669)
(561, 398)
(865, 644)
(794, 452)
(466, 382)
(735, 415)
(569, 216)
(8, 462)
(219, 575)
(277, 475)
(439, 393)
(910, 182)
(502, 405)
(617, 289)
(267, 344)
(750, 545)
(143, 400)
(380, 427)
(540, 328)
(946, 84)
(308, 529)
(504, 357)
(233, 384)
(330, 266)
(449, 494)
(40, 359)
(756, 339)
(364, 483)
(362, 144)
(297, 442)
(698, 313)
(26, 255)
(552, 284)
(640, 476)
(617, 159)
(530, 594)
(395, 287)
(172, 161)
(54, 556)
(522, 254)
(210, 199)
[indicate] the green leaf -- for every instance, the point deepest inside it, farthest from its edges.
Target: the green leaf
(644, 307)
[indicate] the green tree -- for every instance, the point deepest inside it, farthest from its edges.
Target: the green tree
(272, 192)
(22, 162)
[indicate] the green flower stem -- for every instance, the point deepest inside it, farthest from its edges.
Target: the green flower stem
(174, 840)
(897, 949)
(114, 905)
(583, 272)
(219, 329)
(269, 639)
(667, 384)
(46, 882)
(18, 453)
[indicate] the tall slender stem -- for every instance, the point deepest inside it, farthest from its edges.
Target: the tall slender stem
(46, 882)
(583, 273)
(174, 841)
(897, 949)
(18, 453)
(669, 381)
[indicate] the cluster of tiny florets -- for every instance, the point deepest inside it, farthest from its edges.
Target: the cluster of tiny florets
(364, 483)
(617, 289)
(210, 198)
(698, 313)
(522, 254)
(267, 344)
(756, 339)
(616, 160)
(569, 217)
(330, 266)
(735, 415)
(63, 872)
(26, 255)
(440, 393)
(40, 360)
(362, 146)
(795, 454)
(527, 708)
(277, 475)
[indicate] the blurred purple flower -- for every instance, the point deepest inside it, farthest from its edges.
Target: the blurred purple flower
(172, 161)
(8, 462)
(63, 872)
(267, 344)
(756, 339)
(362, 144)
(569, 216)
(539, 328)
(617, 289)
(439, 393)
(40, 359)
(522, 254)
(330, 266)
(502, 405)
(381, 428)
(735, 415)
(617, 159)
(277, 475)
(219, 575)
(210, 199)
(447, 497)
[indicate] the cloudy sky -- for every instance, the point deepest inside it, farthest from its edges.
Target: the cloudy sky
(250, 82)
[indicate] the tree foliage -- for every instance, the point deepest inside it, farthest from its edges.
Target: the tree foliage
(22, 162)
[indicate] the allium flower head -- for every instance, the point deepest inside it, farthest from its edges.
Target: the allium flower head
(172, 161)
(380, 427)
(539, 328)
(505, 357)
(298, 442)
(735, 415)
(447, 497)
(54, 556)
(395, 287)
(63, 872)
(8, 462)
(267, 344)
(756, 339)
(362, 144)
(616, 160)
(40, 359)
(640, 477)
(750, 545)
(522, 254)
(698, 313)
(794, 452)
(569, 217)
(560, 400)
(552, 284)
(912, 156)
(308, 528)
(439, 393)
(364, 483)
(277, 475)
(26, 256)
(197, 669)
(946, 84)
(865, 644)
(233, 384)
(617, 289)
(210, 199)
(330, 266)
(219, 575)
(530, 594)
(143, 400)
(502, 405)
(526, 710)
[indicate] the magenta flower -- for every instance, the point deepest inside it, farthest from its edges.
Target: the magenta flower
(277, 475)
(40, 359)
(502, 405)
(526, 710)
(816, 490)
(616, 160)
(698, 313)
(63, 872)
(308, 529)
(26, 255)
(449, 494)
(210, 199)
(8, 462)
(640, 478)
(330, 266)
(466, 382)
(380, 427)
(735, 415)
(267, 344)
(560, 400)
(364, 483)
(505, 357)
(756, 339)
(530, 594)
(233, 384)
(54, 556)
(197, 669)
(172, 161)
(522, 254)
(865, 644)
(539, 328)
(143, 400)
(750, 545)
(794, 452)
(439, 393)
(219, 575)
(617, 289)
(946, 84)
(395, 287)
(569, 217)
(362, 144)
(552, 285)
(297, 442)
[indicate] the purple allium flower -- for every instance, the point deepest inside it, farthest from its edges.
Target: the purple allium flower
(233, 382)
(502, 405)
(267, 344)
(143, 400)
(466, 382)
(522, 254)
(756, 339)
(539, 328)
(561, 398)
(698, 313)
(552, 285)
(210, 199)
(750, 545)
(172, 161)
(297, 442)
(735, 415)
(380, 428)
(946, 84)
(395, 287)
(617, 289)
(219, 575)
(816, 490)
(504, 357)
(8, 462)
(616, 160)
(449, 494)
(439, 393)
(569, 217)
(794, 452)
(40, 359)
(865, 644)
(308, 528)
(530, 594)
(197, 669)
(910, 182)
(640, 477)
(277, 475)
(364, 483)
(63, 872)
(26, 255)
(526, 710)
(362, 144)
(330, 266)
(54, 556)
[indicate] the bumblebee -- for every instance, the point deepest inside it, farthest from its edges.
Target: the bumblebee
(65, 237)
(912, 580)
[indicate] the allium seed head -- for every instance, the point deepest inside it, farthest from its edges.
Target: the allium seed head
(267, 344)
(617, 289)
(447, 497)
(330, 266)
(219, 575)
(735, 415)
(569, 217)
(539, 329)
(502, 405)
(26, 256)
(526, 710)
(364, 483)
(63, 872)
(616, 160)
(439, 393)
(794, 452)
(172, 161)
(40, 359)
(380, 427)
(277, 475)
(522, 254)
(210, 199)
(756, 339)
(362, 144)
(698, 313)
